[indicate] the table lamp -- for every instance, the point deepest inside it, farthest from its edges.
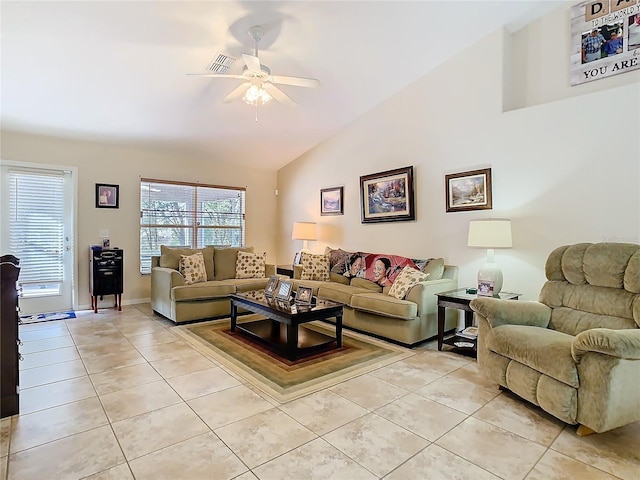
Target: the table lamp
(304, 231)
(490, 234)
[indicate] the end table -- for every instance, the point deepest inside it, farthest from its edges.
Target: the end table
(460, 300)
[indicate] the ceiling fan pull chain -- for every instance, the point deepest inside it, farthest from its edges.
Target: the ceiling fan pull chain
(256, 112)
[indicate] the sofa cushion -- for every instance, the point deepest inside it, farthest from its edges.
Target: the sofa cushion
(544, 350)
(250, 265)
(408, 278)
(203, 291)
(364, 283)
(382, 304)
(192, 268)
(249, 284)
(315, 267)
(338, 292)
(170, 257)
(224, 260)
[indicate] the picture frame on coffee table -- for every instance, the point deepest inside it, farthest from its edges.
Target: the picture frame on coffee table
(304, 295)
(272, 286)
(284, 291)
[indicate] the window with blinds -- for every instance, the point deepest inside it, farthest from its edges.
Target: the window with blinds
(36, 226)
(189, 215)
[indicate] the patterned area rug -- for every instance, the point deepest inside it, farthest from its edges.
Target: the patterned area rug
(285, 380)
(47, 317)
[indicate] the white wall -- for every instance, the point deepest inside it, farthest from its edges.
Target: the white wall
(564, 172)
(124, 166)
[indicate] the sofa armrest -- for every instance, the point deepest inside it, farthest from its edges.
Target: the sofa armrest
(269, 270)
(167, 277)
(423, 293)
(616, 343)
(510, 312)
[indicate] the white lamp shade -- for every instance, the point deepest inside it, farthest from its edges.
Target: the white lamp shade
(492, 233)
(304, 231)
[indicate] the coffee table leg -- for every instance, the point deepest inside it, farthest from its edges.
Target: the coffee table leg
(440, 326)
(339, 330)
(292, 342)
(234, 316)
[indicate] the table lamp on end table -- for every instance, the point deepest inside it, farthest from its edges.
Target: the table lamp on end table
(490, 234)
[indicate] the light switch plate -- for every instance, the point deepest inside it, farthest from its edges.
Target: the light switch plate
(104, 233)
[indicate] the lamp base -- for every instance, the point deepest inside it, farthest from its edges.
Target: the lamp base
(489, 276)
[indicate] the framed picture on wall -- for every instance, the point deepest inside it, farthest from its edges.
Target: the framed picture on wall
(387, 196)
(469, 190)
(331, 201)
(107, 195)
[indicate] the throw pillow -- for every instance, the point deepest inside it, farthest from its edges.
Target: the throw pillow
(224, 260)
(314, 267)
(405, 281)
(170, 257)
(250, 265)
(192, 268)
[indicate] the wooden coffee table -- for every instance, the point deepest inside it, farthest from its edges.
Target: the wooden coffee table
(281, 329)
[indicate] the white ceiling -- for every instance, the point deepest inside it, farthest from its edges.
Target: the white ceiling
(116, 71)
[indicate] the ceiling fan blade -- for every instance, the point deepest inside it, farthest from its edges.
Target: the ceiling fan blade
(295, 81)
(216, 75)
(278, 94)
(237, 92)
(253, 64)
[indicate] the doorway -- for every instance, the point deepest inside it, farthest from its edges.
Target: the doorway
(37, 206)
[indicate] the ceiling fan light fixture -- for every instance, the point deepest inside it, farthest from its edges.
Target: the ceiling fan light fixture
(256, 96)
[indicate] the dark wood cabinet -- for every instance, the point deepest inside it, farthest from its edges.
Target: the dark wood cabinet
(106, 275)
(9, 319)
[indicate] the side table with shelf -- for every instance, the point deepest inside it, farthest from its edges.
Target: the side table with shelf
(460, 300)
(285, 270)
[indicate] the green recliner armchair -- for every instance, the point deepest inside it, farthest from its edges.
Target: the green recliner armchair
(576, 352)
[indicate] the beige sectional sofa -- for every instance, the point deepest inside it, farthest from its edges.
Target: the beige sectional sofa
(181, 303)
(369, 308)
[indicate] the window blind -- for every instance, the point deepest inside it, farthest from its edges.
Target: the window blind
(189, 215)
(36, 225)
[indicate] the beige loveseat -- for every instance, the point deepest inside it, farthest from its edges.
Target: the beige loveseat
(369, 308)
(576, 352)
(181, 303)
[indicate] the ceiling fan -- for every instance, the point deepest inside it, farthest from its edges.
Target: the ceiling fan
(260, 85)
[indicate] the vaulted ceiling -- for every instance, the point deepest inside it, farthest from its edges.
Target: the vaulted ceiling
(116, 71)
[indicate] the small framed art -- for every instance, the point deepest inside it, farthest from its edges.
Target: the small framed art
(485, 288)
(469, 190)
(297, 258)
(272, 286)
(304, 295)
(387, 196)
(331, 201)
(107, 195)
(284, 291)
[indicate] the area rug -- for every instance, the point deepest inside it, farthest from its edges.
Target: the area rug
(283, 379)
(47, 317)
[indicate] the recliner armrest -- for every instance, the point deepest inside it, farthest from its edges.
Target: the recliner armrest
(511, 312)
(616, 343)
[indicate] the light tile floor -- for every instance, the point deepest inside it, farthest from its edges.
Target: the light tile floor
(115, 395)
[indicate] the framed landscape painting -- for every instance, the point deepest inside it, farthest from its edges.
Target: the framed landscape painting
(469, 190)
(387, 196)
(331, 201)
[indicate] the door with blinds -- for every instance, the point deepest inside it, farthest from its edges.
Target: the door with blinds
(37, 228)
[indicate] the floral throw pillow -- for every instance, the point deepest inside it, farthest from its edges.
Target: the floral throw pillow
(250, 265)
(314, 267)
(407, 279)
(192, 268)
